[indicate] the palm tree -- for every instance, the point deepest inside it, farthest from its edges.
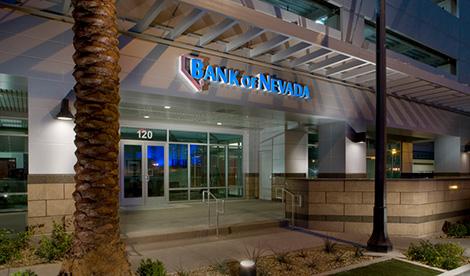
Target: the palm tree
(97, 248)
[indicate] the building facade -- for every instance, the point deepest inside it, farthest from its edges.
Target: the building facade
(244, 97)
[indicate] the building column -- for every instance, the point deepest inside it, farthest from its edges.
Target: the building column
(447, 157)
(406, 158)
(339, 155)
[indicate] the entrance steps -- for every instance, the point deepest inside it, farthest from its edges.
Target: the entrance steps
(198, 232)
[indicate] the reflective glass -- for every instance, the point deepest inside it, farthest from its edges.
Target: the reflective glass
(132, 171)
(312, 161)
(235, 177)
(156, 170)
(225, 139)
(196, 194)
(178, 195)
(13, 170)
(178, 165)
(188, 136)
(217, 166)
(198, 165)
(219, 193)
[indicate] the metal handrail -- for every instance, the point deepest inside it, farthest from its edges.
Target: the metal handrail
(293, 201)
(206, 196)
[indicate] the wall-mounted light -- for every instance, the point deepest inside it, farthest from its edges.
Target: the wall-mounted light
(453, 187)
(355, 137)
(64, 113)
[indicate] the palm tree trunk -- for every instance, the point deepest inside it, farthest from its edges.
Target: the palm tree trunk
(97, 248)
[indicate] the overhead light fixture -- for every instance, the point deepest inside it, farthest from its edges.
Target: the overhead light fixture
(219, 123)
(64, 113)
(146, 116)
(167, 107)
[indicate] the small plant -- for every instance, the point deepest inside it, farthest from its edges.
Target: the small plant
(302, 253)
(442, 255)
(281, 257)
(27, 272)
(358, 251)
(254, 254)
(311, 264)
(11, 244)
(339, 257)
(181, 271)
(329, 246)
(457, 230)
(55, 247)
(149, 267)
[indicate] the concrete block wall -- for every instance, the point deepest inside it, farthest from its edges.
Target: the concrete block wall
(414, 207)
(50, 200)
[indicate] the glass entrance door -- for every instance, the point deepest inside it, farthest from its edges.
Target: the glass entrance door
(143, 173)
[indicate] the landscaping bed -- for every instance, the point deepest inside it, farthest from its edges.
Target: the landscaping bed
(296, 263)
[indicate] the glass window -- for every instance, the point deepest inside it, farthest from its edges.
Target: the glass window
(225, 139)
(177, 195)
(217, 166)
(178, 165)
(449, 6)
(198, 166)
(393, 159)
(156, 170)
(132, 171)
(312, 155)
(143, 134)
(320, 11)
(408, 47)
(188, 136)
(235, 178)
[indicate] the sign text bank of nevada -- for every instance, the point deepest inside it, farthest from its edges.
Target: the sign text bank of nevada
(197, 73)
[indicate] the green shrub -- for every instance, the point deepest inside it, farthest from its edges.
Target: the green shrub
(149, 267)
(12, 243)
(457, 230)
(27, 272)
(55, 247)
(441, 255)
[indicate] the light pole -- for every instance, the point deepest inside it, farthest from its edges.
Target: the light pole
(379, 240)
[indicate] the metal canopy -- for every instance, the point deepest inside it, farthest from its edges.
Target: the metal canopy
(242, 32)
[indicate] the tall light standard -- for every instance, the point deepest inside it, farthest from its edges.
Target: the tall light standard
(379, 240)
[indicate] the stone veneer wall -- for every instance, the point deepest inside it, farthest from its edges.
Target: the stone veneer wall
(49, 200)
(414, 207)
(251, 185)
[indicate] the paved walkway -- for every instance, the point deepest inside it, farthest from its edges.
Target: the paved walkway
(182, 217)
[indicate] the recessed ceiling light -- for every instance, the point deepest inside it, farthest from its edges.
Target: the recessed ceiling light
(146, 116)
(167, 107)
(219, 123)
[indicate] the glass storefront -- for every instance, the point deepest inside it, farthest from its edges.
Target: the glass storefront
(313, 154)
(196, 161)
(13, 164)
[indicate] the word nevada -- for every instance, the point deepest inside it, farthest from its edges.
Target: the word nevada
(199, 73)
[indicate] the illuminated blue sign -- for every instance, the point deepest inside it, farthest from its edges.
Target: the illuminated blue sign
(198, 73)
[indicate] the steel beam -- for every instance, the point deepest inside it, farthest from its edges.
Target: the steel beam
(435, 96)
(240, 40)
(425, 88)
(367, 69)
(185, 23)
(149, 17)
(289, 51)
(328, 62)
(216, 31)
(345, 67)
(268, 45)
(404, 87)
(309, 57)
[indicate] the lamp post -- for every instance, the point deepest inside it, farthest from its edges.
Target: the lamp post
(379, 240)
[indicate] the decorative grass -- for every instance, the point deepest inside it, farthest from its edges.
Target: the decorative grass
(390, 268)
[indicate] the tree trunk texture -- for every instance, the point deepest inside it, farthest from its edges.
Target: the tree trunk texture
(97, 247)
